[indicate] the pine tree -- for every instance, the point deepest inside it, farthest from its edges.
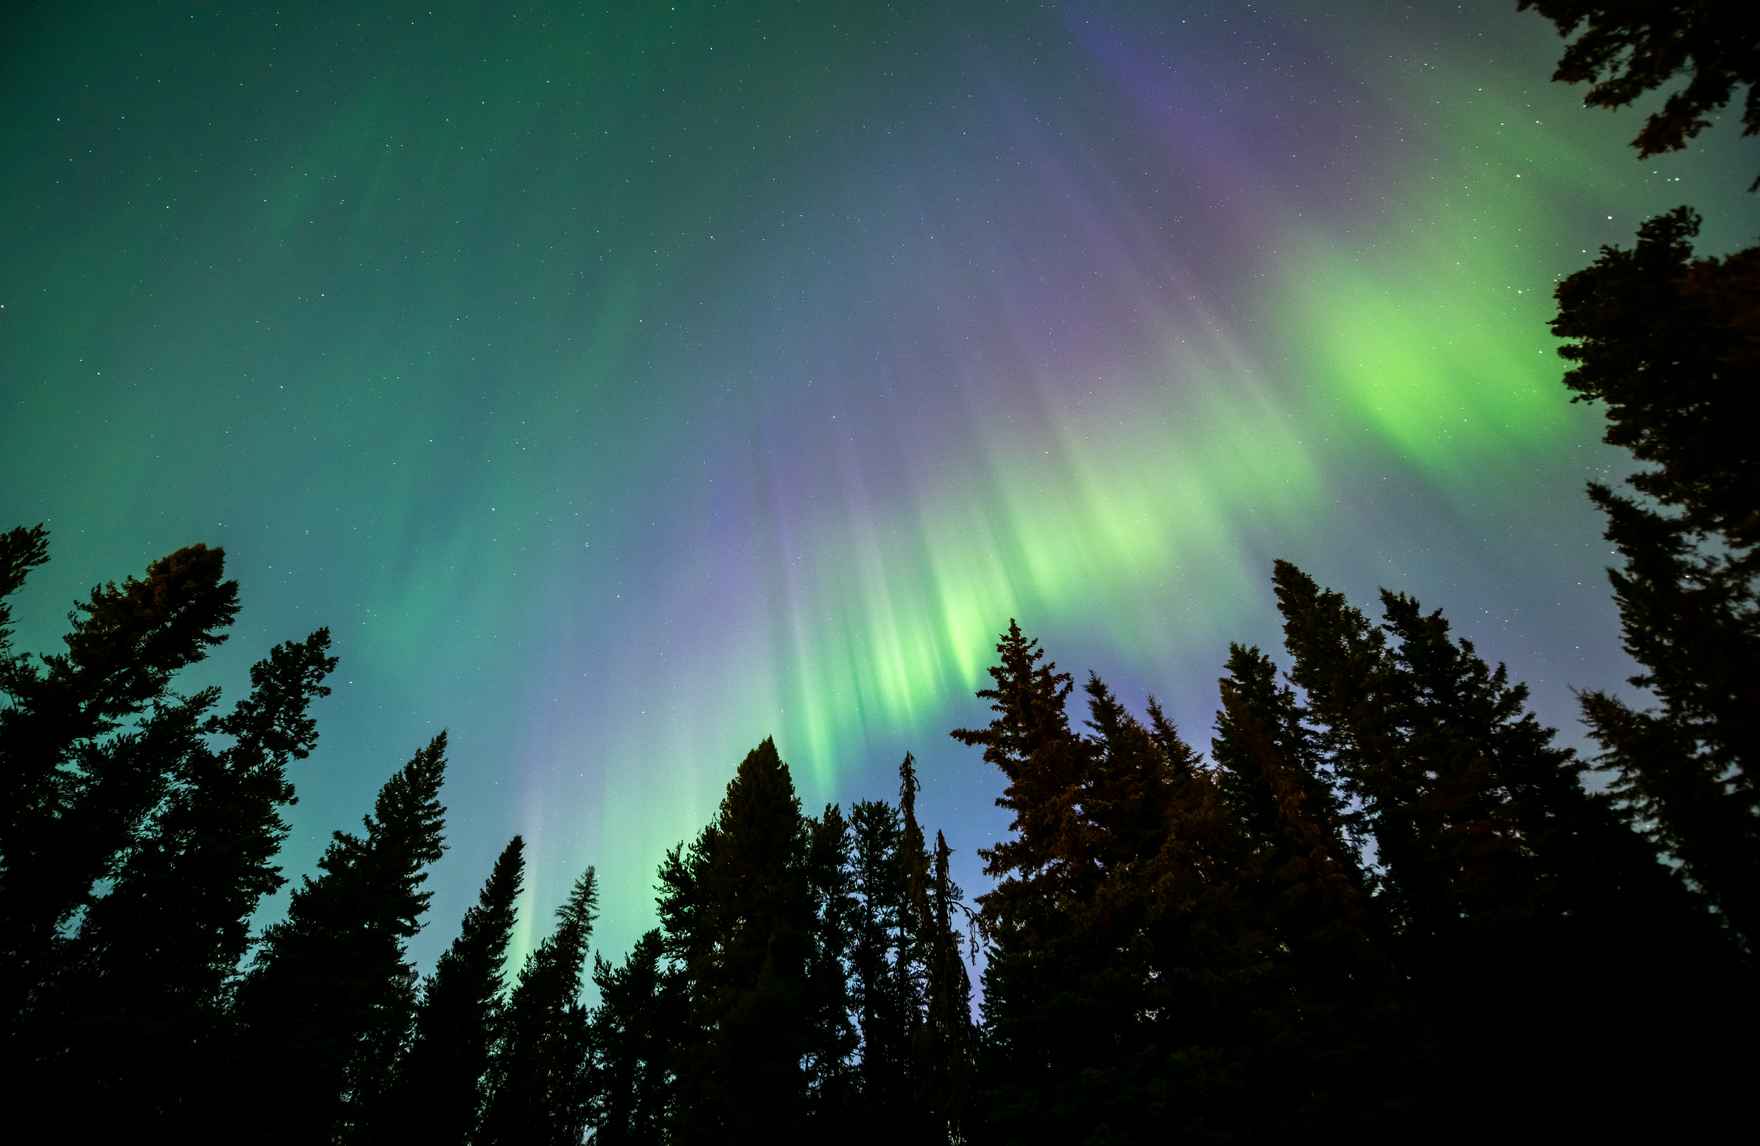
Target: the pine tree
(88, 744)
(437, 1094)
(947, 1063)
(1202, 1008)
(1665, 343)
(878, 879)
(1126, 806)
(914, 919)
(1180, 952)
(1037, 1011)
(1263, 746)
(1044, 765)
(634, 1033)
(538, 1094)
(329, 999)
(1126, 798)
(916, 941)
(1490, 846)
(1572, 885)
(738, 917)
(1336, 1043)
(831, 1071)
(143, 1003)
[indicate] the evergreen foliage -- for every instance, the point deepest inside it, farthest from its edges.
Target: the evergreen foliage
(539, 1075)
(946, 1062)
(146, 986)
(1036, 1019)
(1625, 51)
(1666, 343)
(1386, 888)
(830, 1058)
(1387, 906)
(876, 934)
(738, 919)
(327, 1004)
(437, 1095)
(89, 743)
(635, 1034)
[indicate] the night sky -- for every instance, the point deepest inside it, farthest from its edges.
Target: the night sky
(625, 383)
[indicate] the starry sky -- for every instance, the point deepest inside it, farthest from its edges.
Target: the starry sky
(624, 383)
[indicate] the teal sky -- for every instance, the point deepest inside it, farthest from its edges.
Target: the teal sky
(622, 387)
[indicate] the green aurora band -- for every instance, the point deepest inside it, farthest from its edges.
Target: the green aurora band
(623, 388)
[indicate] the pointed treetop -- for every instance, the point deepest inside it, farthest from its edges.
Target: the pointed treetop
(1028, 697)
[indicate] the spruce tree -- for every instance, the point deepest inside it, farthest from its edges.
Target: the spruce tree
(634, 1034)
(947, 1063)
(144, 999)
(831, 1072)
(1036, 1014)
(1125, 805)
(878, 876)
(1336, 1041)
(1175, 970)
(738, 916)
(1663, 341)
(437, 1095)
(1520, 900)
(1267, 756)
(914, 919)
(538, 1094)
(1202, 1007)
(328, 1001)
(1126, 798)
(89, 741)
(916, 940)
(1569, 883)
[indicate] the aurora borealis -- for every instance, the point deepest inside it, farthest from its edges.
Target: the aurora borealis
(624, 386)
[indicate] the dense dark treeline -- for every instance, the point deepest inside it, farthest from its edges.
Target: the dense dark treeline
(809, 974)
(1383, 904)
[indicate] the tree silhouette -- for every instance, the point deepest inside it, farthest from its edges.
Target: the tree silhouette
(947, 1062)
(831, 1072)
(634, 1033)
(1340, 1043)
(538, 1091)
(738, 916)
(143, 999)
(1035, 1014)
(1627, 50)
(437, 1095)
(328, 1002)
(1489, 844)
(1389, 900)
(878, 880)
(1666, 343)
(89, 743)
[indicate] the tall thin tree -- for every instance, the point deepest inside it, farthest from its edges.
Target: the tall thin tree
(329, 999)
(437, 1095)
(538, 1093)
